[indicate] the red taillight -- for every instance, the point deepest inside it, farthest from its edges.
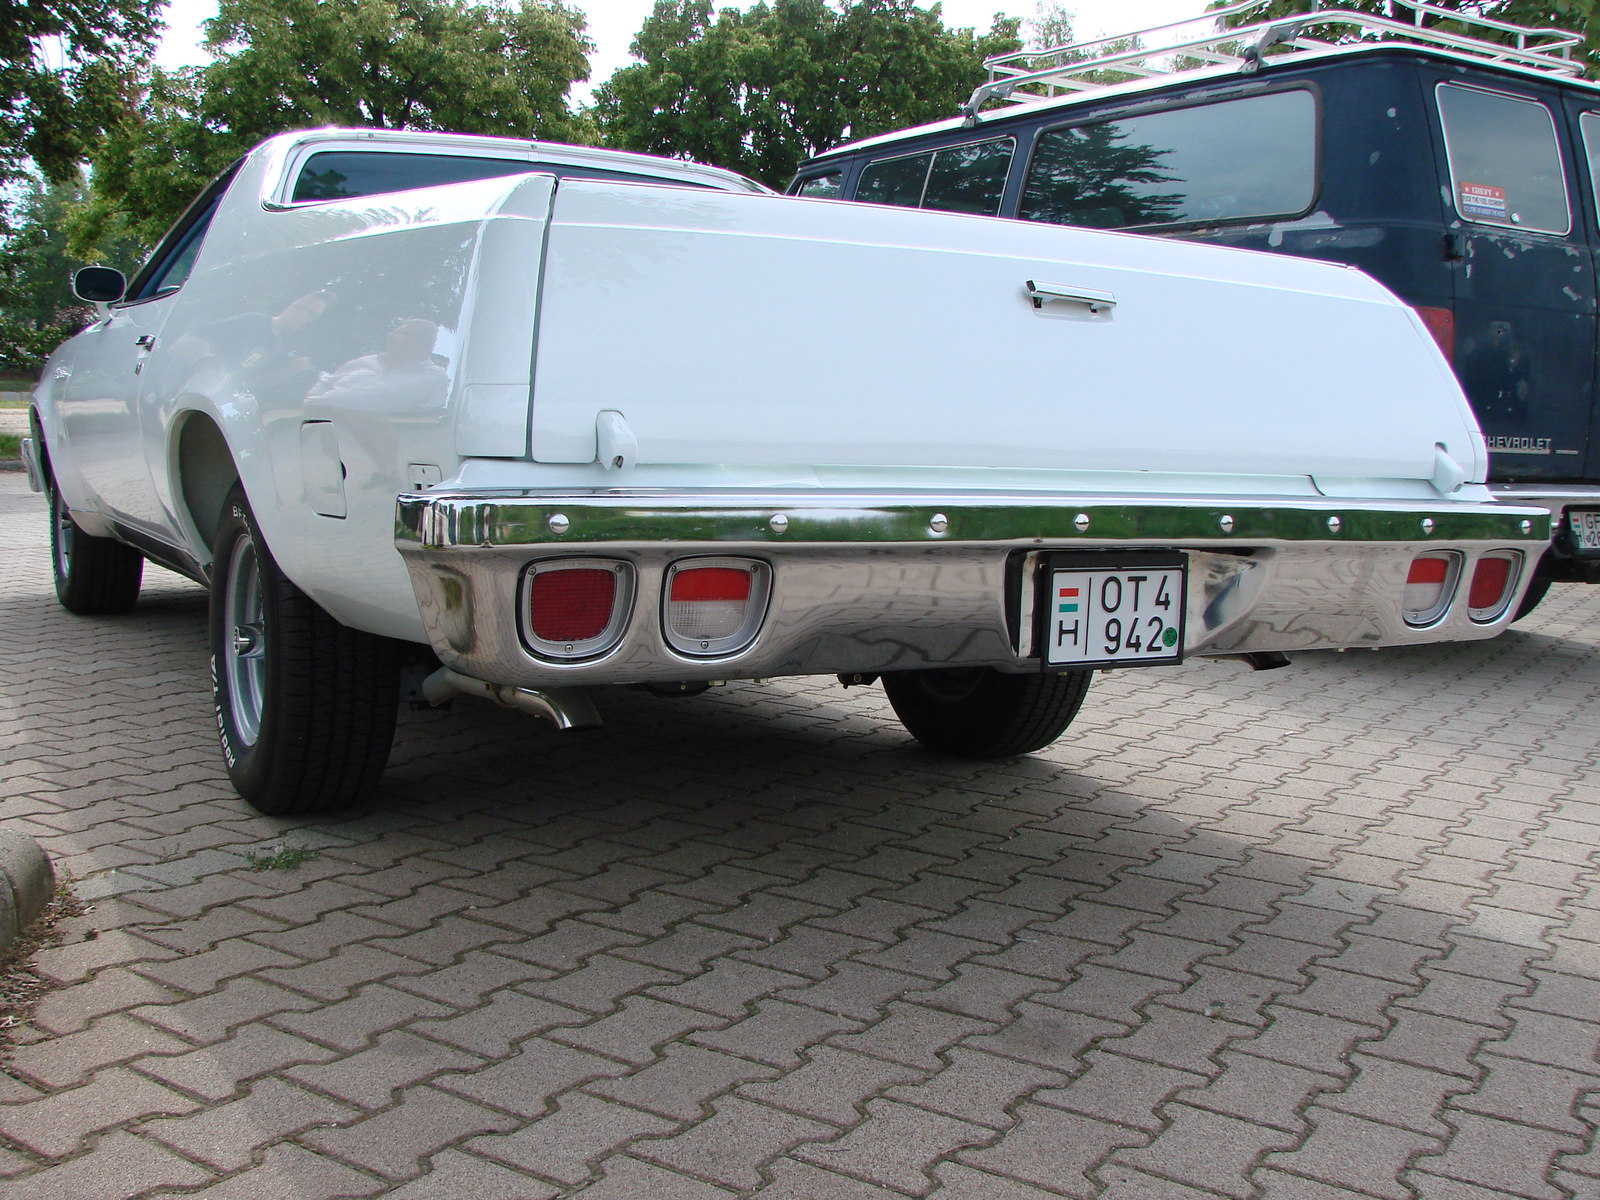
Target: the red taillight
(1430, 584)
(714, 606)
(571, 606)
(1441, 322)
(1492, 583)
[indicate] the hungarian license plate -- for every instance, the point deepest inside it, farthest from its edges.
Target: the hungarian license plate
(1107, 610)
(1585, 527)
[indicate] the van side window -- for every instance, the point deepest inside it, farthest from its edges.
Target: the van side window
(821, 187)
(1505, 164)
(1227, 161)
(1589, 123)
(966, 179)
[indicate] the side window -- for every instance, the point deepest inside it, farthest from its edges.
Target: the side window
(1589, 123)
(821, 187)
(967, 179)
(170, 275)
(1228, 161)
(1505, 163)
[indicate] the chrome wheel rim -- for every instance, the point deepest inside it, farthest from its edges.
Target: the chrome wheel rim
(61, 533)
(245, 641)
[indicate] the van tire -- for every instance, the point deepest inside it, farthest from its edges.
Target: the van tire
(94, 576)
(1530, 599)
(305, 706)
(977, 712)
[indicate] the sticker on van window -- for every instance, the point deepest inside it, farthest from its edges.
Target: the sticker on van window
(1481, 200)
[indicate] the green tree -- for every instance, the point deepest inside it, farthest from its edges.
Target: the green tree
(51, 111)
(501, 67)
(1577, 16)
(760, 91)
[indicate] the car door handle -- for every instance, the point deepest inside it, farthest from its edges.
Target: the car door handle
(145, 341)
(1096, 302)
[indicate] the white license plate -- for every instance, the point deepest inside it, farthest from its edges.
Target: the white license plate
(1099, 617)
(1585, 528)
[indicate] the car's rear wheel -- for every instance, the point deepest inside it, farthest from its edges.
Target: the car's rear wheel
(977, 712)
(94, 576)
(305, 706)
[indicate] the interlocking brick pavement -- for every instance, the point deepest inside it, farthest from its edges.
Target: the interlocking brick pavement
(1326, 933)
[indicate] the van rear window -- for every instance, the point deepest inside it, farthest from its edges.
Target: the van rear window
(1231, 160)
(964, 179)
(1505, 165)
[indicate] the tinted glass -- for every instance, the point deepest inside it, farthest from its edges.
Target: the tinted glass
(1505, 166)
(171, 273)
(895, 181)
(340, 174)
(1227, 161)
(969, 179)
(1590, 123)
(823, 187)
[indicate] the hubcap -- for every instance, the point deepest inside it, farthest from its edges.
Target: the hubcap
(61, 539)
(244, 657)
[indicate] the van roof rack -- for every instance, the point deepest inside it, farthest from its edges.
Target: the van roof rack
(1105, 62)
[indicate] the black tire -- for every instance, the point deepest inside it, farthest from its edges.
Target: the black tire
(976, 712)
(1530, 599)
(305, 706)
(94, 576)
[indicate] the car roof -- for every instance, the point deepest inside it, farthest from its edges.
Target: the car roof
(557, 153)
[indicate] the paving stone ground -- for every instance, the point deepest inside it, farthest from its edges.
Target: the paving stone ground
(1313, 934)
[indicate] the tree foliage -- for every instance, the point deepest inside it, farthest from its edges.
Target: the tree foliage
(1577, 16)
(760, 91)
(51, 111)
(502, 67)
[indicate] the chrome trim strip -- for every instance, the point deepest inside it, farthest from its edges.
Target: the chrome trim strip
(458, 520)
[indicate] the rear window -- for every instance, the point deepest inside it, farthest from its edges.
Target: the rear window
(343, 174)
(964, 179)
(1505, 164)
(1232, 160)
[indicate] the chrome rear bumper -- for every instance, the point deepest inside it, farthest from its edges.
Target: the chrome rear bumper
(874, 582)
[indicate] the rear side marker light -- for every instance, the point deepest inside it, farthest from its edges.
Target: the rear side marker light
(1441, 322)
(714, 606)
(1494, 582)
(575, 608)
(1430, 586)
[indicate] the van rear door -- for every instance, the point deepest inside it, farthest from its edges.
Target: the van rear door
(1524, 273)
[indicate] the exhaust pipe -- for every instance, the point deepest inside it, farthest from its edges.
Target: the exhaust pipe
(569, 708)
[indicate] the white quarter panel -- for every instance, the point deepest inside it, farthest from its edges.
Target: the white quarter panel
(749, 329)
(354, 314)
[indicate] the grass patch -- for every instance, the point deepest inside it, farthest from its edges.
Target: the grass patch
(285, 858)
(14, 403)
(10, 445)
(20, 987)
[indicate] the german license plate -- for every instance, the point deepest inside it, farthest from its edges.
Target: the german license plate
(1122, 613)
(1585, 527)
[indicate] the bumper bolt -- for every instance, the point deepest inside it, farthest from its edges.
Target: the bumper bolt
(1527, 527)
(938, 523)
(1427, 524)
(1081, 522)
(558, 523)
(1225, 523)
(1333, 524)
(779, 523)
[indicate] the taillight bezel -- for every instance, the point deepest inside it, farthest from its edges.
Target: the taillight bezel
(1454, 561)
(588, 648)
(1487, 616)
(755, 607)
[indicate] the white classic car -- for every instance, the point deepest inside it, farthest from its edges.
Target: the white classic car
(434, 415)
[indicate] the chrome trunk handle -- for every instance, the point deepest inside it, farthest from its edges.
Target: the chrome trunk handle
(1096, 302)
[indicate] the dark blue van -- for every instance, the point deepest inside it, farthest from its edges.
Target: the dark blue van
(1461, 173)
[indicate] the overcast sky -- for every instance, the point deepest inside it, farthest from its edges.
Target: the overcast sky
(613, 24)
